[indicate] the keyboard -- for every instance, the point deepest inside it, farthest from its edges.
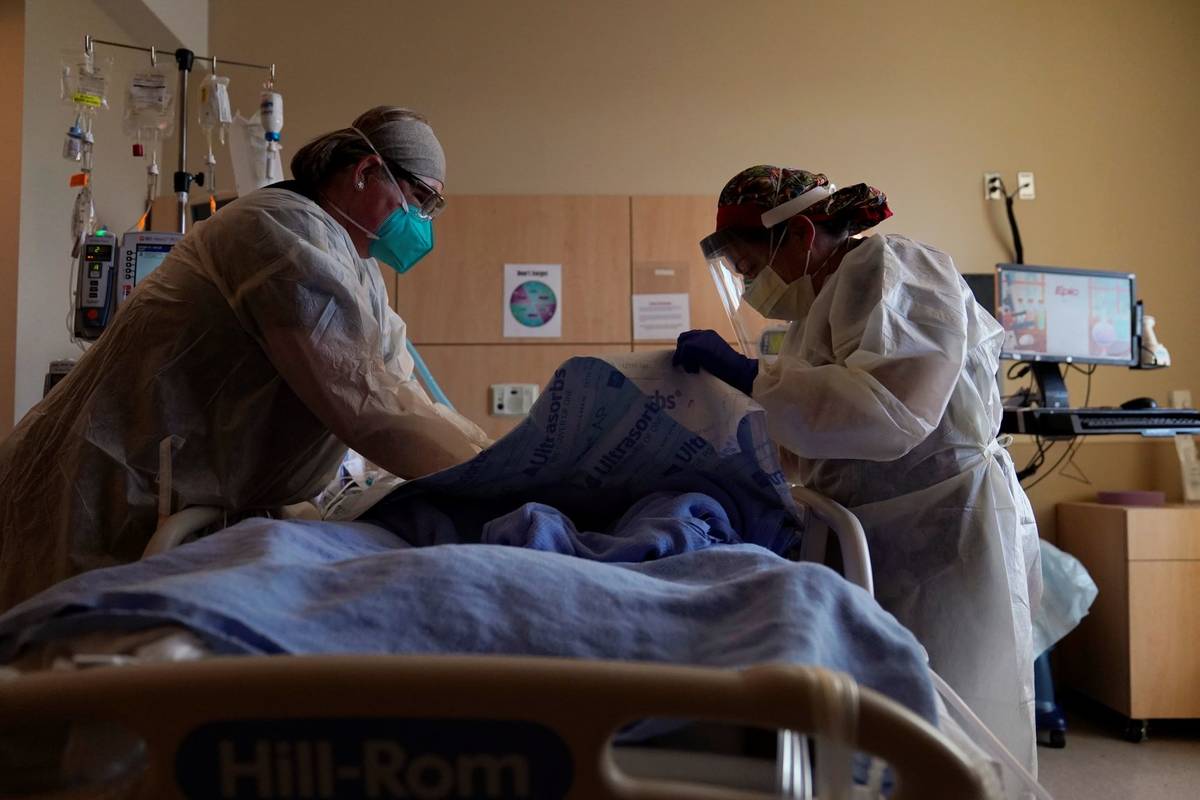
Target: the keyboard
(1068, 422)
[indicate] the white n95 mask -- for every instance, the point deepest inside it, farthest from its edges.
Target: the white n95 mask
(770, 296)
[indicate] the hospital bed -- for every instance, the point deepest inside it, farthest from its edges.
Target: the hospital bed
(143, 730)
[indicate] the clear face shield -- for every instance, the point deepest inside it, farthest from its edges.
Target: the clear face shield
(731, 257)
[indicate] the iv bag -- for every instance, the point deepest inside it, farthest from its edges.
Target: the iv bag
(214, 105)
(83, 80)
(149, 104)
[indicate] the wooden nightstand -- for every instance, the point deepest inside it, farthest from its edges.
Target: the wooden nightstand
(1138, 650)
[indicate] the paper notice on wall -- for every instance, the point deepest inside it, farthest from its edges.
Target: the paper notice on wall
(532, 301)
(660, 316)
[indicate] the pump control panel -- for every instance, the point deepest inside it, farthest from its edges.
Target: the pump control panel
(141, 253)
(93, 299)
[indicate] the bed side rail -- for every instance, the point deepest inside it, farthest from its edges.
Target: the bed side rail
(856, 556)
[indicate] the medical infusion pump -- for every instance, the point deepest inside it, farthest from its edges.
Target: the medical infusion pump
(141, 253)
(94, 295)
(107, 275)
(770, 342)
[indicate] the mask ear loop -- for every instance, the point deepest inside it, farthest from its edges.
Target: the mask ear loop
(817, 272)
(776, 247)
(371, 235)
(808, 252)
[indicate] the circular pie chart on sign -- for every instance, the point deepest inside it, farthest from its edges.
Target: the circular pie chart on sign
(533, 304)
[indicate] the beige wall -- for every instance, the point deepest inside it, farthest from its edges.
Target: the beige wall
(1098, 98)
(163, 23)
(12, 70)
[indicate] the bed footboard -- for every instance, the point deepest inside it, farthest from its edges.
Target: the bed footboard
(402, 726)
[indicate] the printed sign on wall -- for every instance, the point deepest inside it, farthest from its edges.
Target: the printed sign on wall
(532, 301)
(660, 316)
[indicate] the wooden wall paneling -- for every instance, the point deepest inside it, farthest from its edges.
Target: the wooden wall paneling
(454, 295)
(466, 373)
(666, 234)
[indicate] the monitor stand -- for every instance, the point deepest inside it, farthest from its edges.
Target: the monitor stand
(1052, 390)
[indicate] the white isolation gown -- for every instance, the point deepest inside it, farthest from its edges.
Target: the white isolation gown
(886, 394)
(263, 346)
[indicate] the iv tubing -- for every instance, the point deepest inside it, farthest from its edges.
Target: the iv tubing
(427, 377)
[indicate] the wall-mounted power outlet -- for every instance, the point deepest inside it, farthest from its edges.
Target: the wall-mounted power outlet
(1025, 189)
(991, 186)
(513, 399)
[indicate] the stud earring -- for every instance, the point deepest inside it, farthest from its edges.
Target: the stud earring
(360, 185)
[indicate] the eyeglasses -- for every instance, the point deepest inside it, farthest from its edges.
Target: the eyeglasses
(430, 202)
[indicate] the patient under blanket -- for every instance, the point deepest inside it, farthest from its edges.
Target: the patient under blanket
(637, 514)
(626, 445)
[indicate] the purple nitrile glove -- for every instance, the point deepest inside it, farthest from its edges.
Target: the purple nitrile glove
(706, 350)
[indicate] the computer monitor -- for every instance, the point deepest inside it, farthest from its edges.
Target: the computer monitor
(1055, 315)
(983, 287)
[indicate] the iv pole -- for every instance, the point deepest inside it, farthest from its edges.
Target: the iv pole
(185, 59)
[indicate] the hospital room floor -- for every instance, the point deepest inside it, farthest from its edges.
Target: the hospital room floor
(1098, 764)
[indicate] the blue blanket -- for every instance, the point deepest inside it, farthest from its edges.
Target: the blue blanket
(658, 525)
(267, 586)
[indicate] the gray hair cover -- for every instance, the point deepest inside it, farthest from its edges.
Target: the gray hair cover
(402, 137)
(405, 139)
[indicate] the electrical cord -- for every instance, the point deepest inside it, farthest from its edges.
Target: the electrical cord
(1023, 395)
(1021, 398)
(1073, 444)
(1089, 372)
(1037, 460)
(71, 277)
(1020, 368)
(1016, 371)
(1018, 247)
(1070, 445)
(1074, 451)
